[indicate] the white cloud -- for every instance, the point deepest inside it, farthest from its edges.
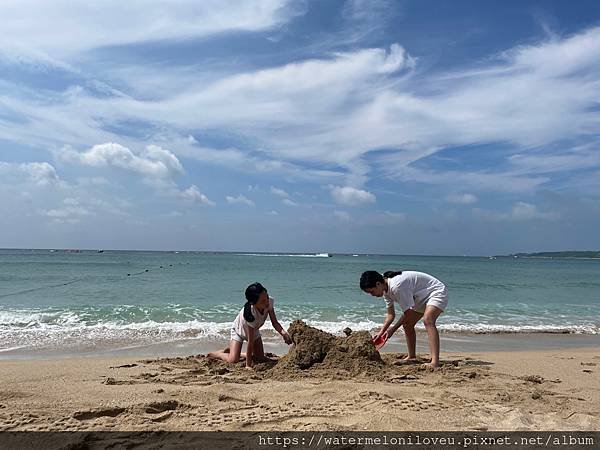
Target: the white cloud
(287, 201)
(279, 192)
(350, 196)
(70, 214)
(527, 211)
(93, 181)
(520, 212)
(273, 213)
(64, 27)
(239, 200)
(152, 161)
(485, 180)
(462, 199)
(193, 194)
(575, 158)
(337, 108)
(40, 173)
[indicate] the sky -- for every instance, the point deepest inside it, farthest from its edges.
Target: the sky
(356, 126)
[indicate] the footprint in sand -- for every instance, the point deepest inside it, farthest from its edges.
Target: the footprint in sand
(160, 407)
(95, 413)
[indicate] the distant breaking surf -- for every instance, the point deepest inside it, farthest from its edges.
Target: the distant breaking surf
(293, 255)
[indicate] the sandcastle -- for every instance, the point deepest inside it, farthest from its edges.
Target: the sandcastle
(318, 351)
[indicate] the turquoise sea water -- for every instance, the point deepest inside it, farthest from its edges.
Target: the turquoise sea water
(84, 301)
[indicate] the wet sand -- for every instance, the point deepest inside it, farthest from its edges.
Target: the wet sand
(517, 390)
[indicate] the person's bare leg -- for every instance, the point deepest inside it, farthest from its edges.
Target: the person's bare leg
(429, 319)
(410, 319)
(230, 354)
(259, 349)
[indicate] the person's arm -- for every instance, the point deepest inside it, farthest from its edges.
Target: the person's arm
(391, 330)
(406, 301)
(250, 350)
(389, 318)
(286, 337)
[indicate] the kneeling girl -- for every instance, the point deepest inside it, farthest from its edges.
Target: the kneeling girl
(247, 324)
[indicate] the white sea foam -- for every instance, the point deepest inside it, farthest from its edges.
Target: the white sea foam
(60, 329)
(486, 328)
(288, 255)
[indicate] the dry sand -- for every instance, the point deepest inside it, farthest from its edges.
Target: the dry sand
(324, 383)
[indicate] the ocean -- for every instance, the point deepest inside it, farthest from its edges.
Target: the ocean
(86, 302)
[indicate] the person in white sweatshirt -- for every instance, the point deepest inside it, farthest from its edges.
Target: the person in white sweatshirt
(419, 295)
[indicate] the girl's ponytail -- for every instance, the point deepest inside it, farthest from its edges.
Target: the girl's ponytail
(391, 274)
(252, 295)
(248, 312)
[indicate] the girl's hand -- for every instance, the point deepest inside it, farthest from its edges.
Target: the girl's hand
(286, 338)
(378, 335)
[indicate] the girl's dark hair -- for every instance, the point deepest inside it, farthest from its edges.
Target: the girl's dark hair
(370, 278)
(391, 274)
(252, 295)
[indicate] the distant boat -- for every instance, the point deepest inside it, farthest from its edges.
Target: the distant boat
(354, 255)
(100, 251)
(323, 255)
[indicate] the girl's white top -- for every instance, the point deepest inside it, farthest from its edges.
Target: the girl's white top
(259, 319)
(412, 289)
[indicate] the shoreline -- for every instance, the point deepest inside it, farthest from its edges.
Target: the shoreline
(450, 342)
(526, 390)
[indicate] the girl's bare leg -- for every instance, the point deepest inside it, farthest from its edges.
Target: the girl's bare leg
(410, 319)
(259, 349)
(230, 354)
(429, 318)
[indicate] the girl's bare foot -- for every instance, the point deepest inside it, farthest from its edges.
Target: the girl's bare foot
(430, 366)
(407, 360)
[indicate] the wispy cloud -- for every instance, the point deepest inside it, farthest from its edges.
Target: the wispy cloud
(63, 27)
(462, 199)
(521, 211)
(239, 200)
(279, 192)
(363, 114)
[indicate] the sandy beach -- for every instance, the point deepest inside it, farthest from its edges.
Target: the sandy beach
(512, 390)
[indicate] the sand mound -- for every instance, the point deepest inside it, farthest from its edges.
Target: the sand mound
(316, 355)
(318, 350)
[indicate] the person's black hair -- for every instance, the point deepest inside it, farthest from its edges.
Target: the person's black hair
(252, 295)
(391, 274)
(370, 278)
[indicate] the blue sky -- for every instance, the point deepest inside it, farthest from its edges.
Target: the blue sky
(342, 126)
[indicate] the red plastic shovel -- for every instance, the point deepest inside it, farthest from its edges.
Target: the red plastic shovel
(380, 341)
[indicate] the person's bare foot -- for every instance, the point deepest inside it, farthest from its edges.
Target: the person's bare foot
(430, 366)
(407, 360)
